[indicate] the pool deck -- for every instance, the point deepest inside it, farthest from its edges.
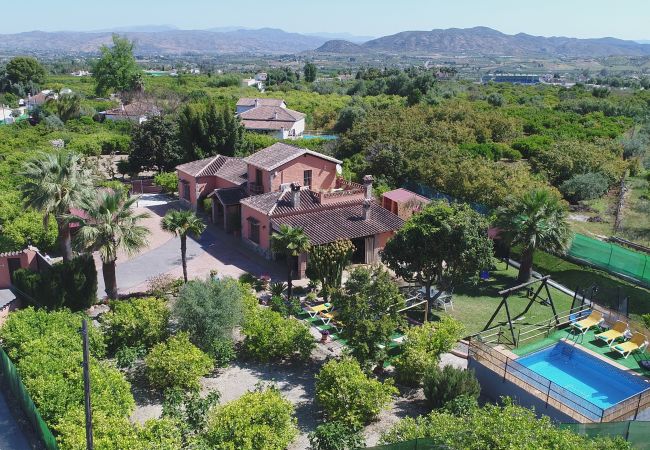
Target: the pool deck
(592, 346)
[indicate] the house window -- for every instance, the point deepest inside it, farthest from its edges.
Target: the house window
(254, 230)
(307, 178)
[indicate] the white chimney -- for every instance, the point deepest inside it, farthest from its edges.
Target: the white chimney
(275, 115)
(257, 103)
(366, 209)
(367, 182)
(295, 195)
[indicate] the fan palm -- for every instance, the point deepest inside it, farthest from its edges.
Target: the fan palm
(111, 225)
(182, 223)
(56, 183)
(290, 242)
(536, 220)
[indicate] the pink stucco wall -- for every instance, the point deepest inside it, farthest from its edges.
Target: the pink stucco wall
(211, 183)
(27, 260)
(323, 172)
(265, 227)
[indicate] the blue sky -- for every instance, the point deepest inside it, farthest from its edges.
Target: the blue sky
(627, 19)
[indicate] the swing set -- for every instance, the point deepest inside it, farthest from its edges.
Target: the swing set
(535, 297)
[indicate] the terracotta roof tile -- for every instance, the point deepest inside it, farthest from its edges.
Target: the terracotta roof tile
(229, 196)
(248, 101)
(272, 157)
(272, 113)
(234, 170)
(328, 225)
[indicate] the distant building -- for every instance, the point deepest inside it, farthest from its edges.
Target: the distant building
(81, 73)
(135, 112)
(262, 76)
(252, 82)
(403, 203)
(271, 116)
(513, 78)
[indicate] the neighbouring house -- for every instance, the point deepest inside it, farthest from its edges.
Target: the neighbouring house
(249, 82)
(32, 101)
(288, 185)
(403, 203)
(261, 76)
(270, 116)
(136, 112)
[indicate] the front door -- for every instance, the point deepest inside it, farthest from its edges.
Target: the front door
(14, 264)
(359, 254)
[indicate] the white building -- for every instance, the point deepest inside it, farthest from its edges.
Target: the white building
(136, 112)
(271, 116)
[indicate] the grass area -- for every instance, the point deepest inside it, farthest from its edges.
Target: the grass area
(591, 343)
(610, 288)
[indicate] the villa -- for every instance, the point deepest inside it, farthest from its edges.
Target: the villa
(288, 185)
(136, 112)
(270, 116)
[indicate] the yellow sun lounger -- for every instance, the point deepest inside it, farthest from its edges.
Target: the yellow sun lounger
(637, 341)
(313, 311)
(595, 318)
(616, 332)
(327, 317)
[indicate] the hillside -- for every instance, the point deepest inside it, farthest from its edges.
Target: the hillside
(486, 41)
(264, 40)
(342, 47)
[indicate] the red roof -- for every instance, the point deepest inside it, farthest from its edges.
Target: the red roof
(403, 195)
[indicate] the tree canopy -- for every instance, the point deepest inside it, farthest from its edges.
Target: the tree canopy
(25, 69)
(116, 69)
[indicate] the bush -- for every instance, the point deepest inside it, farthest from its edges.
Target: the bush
(223, 352)
(585, 186)
(259, 420)
(209, 311)
(422, 349)
(168, 181)
(125, 357)
(177, 363)
(346, 393)
(461, 406)
(136, 322)
(444, 385)
(69, 284)
(336, 436)
(269, 336)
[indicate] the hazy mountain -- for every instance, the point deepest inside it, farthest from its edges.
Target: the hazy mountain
(138, 28)
(342, 36)
(486, 41)
(265, 40)
(339, 46)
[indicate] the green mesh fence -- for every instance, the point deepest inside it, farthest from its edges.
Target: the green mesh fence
(612, 258)
(637, 433)
(11, 380)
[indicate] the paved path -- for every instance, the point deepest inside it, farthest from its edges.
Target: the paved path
(11, 434)
(215, 249)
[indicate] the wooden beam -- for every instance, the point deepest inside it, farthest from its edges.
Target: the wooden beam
(522, 285)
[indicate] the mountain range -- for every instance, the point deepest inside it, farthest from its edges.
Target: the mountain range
(167, 39)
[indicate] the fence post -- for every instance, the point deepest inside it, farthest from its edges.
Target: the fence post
(638, 405)
(505, 370)
(548, 393)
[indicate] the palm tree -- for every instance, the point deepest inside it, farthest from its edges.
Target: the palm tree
(290, 242)
(182, 223)
(111, 225)
(536, 220)
(56, 183)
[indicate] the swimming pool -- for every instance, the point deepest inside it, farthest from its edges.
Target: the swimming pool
(584, 375)
(327, 137)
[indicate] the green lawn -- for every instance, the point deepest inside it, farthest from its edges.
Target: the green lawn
(474, 305)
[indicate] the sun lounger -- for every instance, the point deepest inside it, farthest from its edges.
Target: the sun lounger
(595, 318)
(616, 332)
(637, 342)
(327, 317)
(313, 311)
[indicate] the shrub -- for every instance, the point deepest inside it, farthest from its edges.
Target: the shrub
(278, 305)
(177, 363)
(259, 420)
(168, 181)
(223, 352)
(127, 356)
(461, 406)
(188, 410)
(277, 289)
(136, 322)
(422, 349)
(209, 310)
(164, 285)
(346, 393)
(269, 336)
(586, 186)
(116, 186)
(336, 436)
(70, 284)
(444, 385)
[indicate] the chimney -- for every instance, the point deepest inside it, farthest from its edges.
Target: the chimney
(366, 209)
(367, 183)
(275, 115)
(257, 103)
(295, 195)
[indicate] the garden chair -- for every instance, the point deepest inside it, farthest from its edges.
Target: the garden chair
(314, 311)
(584, 325)
(637, 342)
(616, 332)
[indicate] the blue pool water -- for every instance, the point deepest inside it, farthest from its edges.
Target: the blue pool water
(584, 375)
(327, 137)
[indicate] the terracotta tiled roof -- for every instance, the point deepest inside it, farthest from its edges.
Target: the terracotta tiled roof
(266, 124)
(246, 101)
(272, 113)
(234, 170)
(263, 202)
(328, 225)
(15, 253)
(404, 195)
(272, 157)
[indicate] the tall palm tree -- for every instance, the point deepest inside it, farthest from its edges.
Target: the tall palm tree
(290, 242)
(111, 225)
(56, 183)
(536, 220)
(182, 223)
